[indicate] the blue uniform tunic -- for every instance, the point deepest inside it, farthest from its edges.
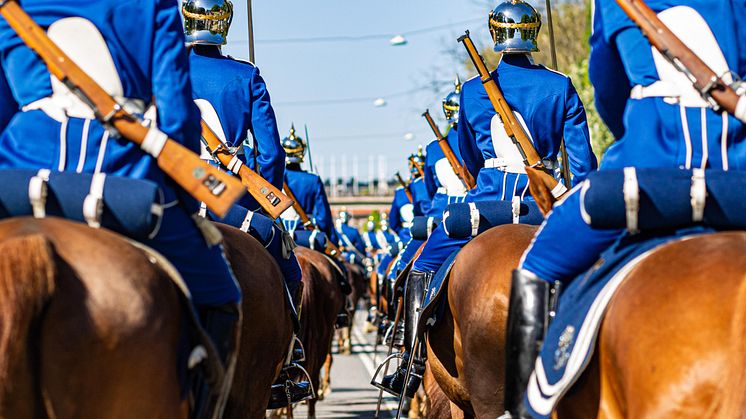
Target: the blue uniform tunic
(311, 194)
(551, 109)
(148, 53)
(239, 97)
(350, 236)
(403, 210)
(651, 131)
(435, 160)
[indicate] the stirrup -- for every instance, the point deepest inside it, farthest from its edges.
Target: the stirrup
(285, 388)
(297, 352)
(379, 384)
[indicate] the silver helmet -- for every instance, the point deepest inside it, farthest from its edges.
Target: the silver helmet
(451, 102)
(207, 22)
(295, 147)
(514, 26)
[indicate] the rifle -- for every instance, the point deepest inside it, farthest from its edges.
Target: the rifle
(566, 173)
(216, 189)
(514, 130)
(712, 87)
(416, 166)
(331, 248)
(460, 170)
(267, 195)
(406, 188)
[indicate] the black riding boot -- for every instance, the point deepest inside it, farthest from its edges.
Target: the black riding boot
(528, 314)
(222, 324)
(417, 283)
(296, 296)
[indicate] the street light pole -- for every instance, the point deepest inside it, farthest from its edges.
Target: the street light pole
(251, 31)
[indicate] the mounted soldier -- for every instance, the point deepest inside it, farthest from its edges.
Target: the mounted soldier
(442, 182)
(349, 238)
(138, 71)
(411, 199)
(662, 122)
(234, 102)
(546, 104)
(308, 189)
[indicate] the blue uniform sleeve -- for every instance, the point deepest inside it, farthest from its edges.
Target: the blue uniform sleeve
(467, 143)
(430, 184)
(178, 116)
(271, 155)
(577, 138)
(395, 214)
(8, 105)
(606, 72)
(321, 211)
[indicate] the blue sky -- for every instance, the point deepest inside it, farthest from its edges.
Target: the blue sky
(301, 76)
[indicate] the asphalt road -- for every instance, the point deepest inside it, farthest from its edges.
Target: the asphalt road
(352, 396)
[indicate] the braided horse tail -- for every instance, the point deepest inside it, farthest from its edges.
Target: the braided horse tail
(732, 404)
(27, 282)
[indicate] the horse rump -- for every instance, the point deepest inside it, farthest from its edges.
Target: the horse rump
(27, 272)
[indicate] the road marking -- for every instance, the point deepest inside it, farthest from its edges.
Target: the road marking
(367, 360)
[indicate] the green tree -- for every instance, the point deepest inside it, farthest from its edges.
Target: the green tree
(572, 27)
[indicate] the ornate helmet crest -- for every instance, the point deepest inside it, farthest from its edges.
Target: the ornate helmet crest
(295, 147)
(514, 26)
(206, 22)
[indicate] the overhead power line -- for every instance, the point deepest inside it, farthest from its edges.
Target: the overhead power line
(355, 38)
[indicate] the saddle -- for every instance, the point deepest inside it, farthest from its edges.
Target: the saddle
(469, 219)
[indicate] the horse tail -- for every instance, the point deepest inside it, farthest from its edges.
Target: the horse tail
(733, 402)
(27, 272)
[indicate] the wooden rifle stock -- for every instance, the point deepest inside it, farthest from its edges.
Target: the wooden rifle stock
(216, 189)
(513, 128)
(406, 188)
(331, 248)
(271, 199)
(417, 166)
(460, 170)
(710, 85)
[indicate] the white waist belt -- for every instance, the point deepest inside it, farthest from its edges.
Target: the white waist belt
(670, 92)
(501, 163)
(60, 107)
(442, 190)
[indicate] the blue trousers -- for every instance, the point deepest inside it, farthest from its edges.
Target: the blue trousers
(32, 140)
(289, 267)
(406, 256)
(492, 185)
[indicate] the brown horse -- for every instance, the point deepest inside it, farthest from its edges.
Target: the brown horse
(673, 340)
(89, 326)
(322, 300)
(267, 325)
(357, 279)
(466, 348)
